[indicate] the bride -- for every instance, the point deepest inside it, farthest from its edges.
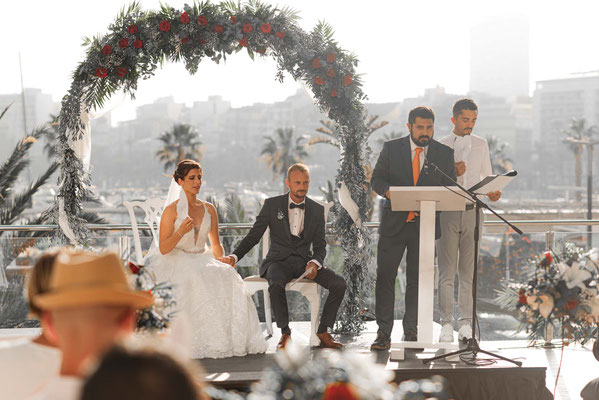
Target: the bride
(221, 312)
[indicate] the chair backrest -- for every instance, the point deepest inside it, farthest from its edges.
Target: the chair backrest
(266, 236)
(153, 210)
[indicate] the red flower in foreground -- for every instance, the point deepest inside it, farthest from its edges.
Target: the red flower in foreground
(333, 93)
(571, 305)
(165, 26)
(202, 41)
(121, 71)
(219, 29)
(132, 29)
(316, 63)
(137, 44)
(185, 39)
(339, 391)
(234, 19)
(330, 72)
(522, 296)
(247, 28)
(319, 80)
(265, 27)
(135, 268)
(281, 35)
(347, 80)
(243, 42)
(262, 50)
(202, 20)
(185, 18)
(123, 43)
(106, 50)
(331, 58)
(101, 72)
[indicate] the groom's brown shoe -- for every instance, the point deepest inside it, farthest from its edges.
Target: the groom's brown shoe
(285, 337)
(326, 340)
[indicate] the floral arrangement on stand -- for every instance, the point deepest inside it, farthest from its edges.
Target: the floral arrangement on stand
(159, 315)
(561, 292)
(139, 41)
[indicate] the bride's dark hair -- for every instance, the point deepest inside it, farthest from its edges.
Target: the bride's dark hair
(183, 169)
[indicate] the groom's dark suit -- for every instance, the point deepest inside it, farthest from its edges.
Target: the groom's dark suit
(394, 168)
(288, 256)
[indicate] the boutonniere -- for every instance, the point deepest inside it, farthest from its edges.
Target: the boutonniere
(280, 215)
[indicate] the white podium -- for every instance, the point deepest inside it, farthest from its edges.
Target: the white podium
(427, 200)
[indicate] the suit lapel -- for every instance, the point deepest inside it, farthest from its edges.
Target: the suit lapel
(308, 211)
(430, 155)
(285, 208)
(406, 159)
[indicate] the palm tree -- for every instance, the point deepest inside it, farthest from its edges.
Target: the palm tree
(388, 136)
(282, 150)
(578, 130)
(51, 137)
(499, 161)
(180, 143)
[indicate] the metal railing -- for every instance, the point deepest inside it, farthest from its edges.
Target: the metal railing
(526, 225)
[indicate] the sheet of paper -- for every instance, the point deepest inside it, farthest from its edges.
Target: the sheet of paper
(302, 276)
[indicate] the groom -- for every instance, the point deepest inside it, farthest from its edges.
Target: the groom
(296, 224)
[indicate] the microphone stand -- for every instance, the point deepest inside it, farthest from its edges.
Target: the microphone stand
(472, 344)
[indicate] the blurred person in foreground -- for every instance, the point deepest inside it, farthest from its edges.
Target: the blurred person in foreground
(140, 374)
(29, 363)
(89, 307)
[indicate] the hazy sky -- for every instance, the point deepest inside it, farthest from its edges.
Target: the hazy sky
(404, 46)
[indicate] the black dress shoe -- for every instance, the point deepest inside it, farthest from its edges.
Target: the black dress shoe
(410, 335)
(382, 342)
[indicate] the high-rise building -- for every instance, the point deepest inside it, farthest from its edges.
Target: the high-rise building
(499, 57)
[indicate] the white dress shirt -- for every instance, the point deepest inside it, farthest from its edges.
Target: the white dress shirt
(296, 218)
(413, 147)
(474, 151)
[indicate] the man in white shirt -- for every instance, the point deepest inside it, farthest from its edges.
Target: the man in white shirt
(455, 248)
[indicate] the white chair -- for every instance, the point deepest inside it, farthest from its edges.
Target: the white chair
(306, 287)
(153, 211)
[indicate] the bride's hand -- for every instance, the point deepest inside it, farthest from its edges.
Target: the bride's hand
(186, 226)
(227, 260)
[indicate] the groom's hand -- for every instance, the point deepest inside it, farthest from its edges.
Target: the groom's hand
(314, 272)
(227, 260)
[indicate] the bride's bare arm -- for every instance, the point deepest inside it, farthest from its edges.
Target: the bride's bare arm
(217, 248)
(168, 236)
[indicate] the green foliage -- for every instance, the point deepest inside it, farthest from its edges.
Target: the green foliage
(282, 150)
(180, 143)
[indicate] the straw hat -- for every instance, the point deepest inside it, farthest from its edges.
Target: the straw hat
(84, 279)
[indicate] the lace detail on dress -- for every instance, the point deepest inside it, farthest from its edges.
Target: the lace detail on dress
(188, 242)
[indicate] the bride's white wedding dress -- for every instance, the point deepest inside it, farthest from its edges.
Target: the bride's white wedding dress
(221, 312)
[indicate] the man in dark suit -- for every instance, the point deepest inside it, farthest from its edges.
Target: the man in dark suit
(401, 164)
(296, 225)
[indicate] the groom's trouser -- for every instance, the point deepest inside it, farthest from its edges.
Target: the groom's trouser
(279, 273)
(455, 253)
(389, 253)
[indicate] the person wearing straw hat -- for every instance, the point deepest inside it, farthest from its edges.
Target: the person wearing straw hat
(88, 308)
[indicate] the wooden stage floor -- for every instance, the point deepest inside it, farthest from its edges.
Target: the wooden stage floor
(578, 364)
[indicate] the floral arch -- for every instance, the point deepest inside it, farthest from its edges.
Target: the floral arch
(138, 42)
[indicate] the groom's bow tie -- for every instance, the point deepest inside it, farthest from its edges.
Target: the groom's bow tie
(293, 205)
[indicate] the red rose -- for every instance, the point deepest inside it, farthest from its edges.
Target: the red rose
(265, 27)
(262, 50)
(319, 80)
(123, 43)
(121, 71)
(333, 93)
(347, 80)
(132, 29)
(281, 35)
(316, 63)
(185, 18)
(247, 28)
(330, 72)
(219, 29)
(331, 58)
(548, 257)
(202, 41)
(234, 19)
(137, 44)
(135, 268)
(185, 40)
(243, 42)
(339, 391)
(101, 72)
(202, 20)
(106, 50)
(571, 305)
(522, 296)
(165, 26)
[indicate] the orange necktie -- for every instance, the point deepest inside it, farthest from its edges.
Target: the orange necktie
(415, 175)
